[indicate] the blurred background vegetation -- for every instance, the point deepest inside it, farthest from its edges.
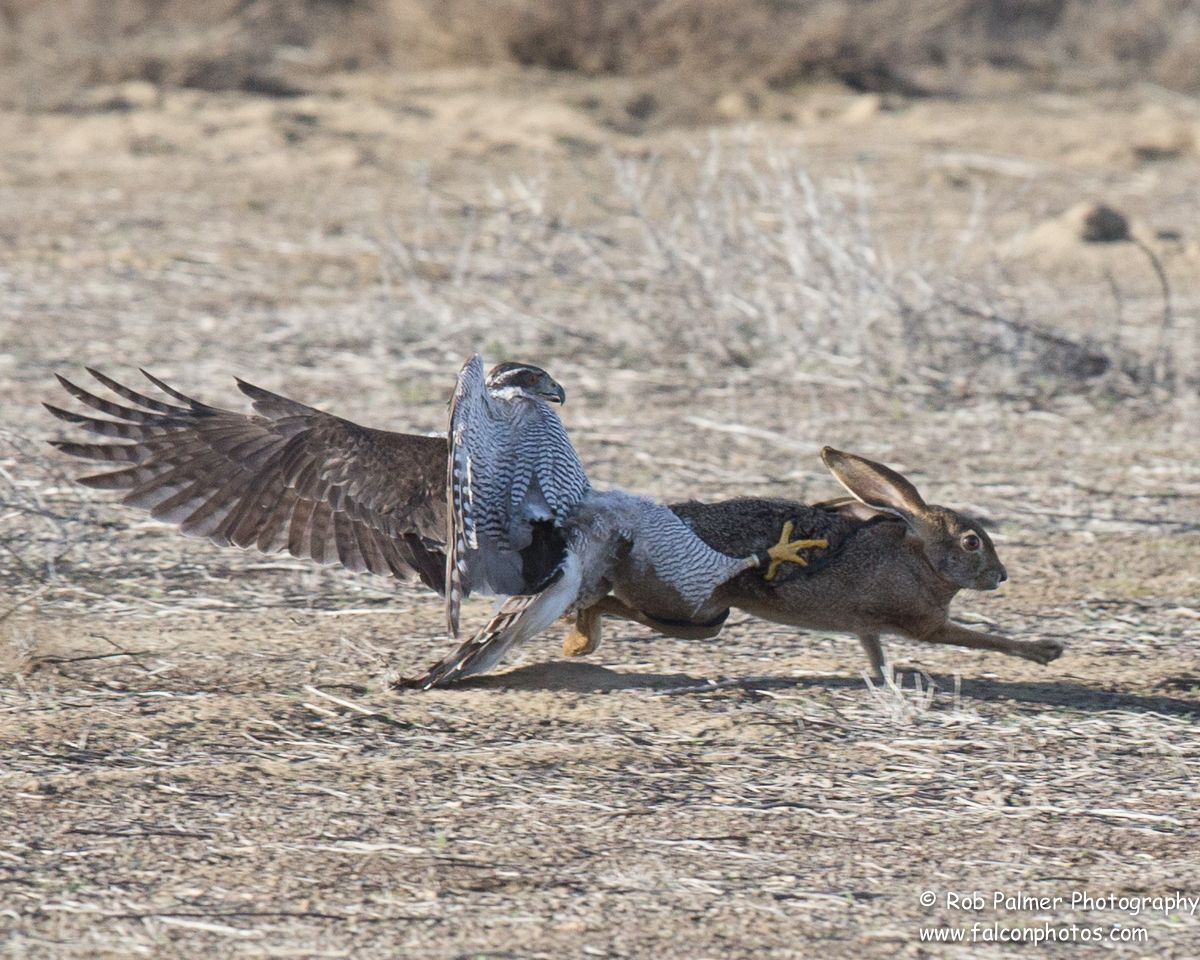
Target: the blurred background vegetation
(49, 48)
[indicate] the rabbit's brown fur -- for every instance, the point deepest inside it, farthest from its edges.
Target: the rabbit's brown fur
(893, 565)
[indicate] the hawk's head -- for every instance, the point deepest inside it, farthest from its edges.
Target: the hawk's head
(527, 379)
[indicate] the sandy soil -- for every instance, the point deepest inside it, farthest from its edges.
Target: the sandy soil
(199, 755)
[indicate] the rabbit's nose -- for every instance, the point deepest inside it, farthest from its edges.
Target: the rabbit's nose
(1003, 574)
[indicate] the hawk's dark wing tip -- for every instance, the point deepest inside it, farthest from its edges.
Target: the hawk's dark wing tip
(104, 481)
(170, 391)
(66, 416)
(253, 392)
(275, 405)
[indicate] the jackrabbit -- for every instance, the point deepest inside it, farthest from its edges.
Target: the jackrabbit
(893, 565)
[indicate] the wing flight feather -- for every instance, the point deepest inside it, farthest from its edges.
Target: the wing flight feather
(289, 477)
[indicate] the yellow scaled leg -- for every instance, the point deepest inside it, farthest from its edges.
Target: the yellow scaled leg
(788, 551)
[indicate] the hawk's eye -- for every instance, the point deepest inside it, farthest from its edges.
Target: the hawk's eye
(971, 542)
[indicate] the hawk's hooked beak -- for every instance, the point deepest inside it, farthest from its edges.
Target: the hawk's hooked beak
(553, 392)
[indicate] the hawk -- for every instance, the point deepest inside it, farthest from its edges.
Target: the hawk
(501, 506)
(290, 477)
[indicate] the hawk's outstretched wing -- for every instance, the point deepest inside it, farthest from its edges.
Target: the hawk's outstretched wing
(289, 478)
(513, 479)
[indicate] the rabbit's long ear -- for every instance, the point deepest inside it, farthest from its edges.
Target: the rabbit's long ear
(851, 507)
(874, 484)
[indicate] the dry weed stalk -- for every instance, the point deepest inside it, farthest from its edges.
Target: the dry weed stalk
(737, 261)
(902, 706)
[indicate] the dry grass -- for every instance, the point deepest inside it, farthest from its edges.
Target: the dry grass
(532, 817)
(740, 260)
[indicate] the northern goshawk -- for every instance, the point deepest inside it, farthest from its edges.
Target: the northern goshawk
(503, 506)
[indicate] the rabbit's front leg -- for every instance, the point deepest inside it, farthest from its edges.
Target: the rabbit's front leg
(874, 651)
(1039, 651)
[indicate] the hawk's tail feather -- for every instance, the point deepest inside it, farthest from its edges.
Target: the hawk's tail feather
(462, 535)
(483, 650)
(518, 619)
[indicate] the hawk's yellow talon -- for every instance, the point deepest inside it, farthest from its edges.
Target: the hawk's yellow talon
(788, 551)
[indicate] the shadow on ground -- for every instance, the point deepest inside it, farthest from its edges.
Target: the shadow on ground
(590, 678)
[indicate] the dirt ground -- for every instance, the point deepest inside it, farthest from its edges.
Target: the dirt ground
(200, 757)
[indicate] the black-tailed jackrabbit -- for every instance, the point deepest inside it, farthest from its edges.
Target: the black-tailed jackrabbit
(893, 565)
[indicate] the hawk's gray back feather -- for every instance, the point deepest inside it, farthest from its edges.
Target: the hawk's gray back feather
(511, 465)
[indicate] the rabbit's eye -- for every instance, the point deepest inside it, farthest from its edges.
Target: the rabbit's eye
(971, 542)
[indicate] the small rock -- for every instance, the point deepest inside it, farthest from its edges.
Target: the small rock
(737, 105)
(863, 108)
(1064, 237)
(1160, 135)
(115, 98)
(642, 107)
(1103, 224)
(139, 93)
